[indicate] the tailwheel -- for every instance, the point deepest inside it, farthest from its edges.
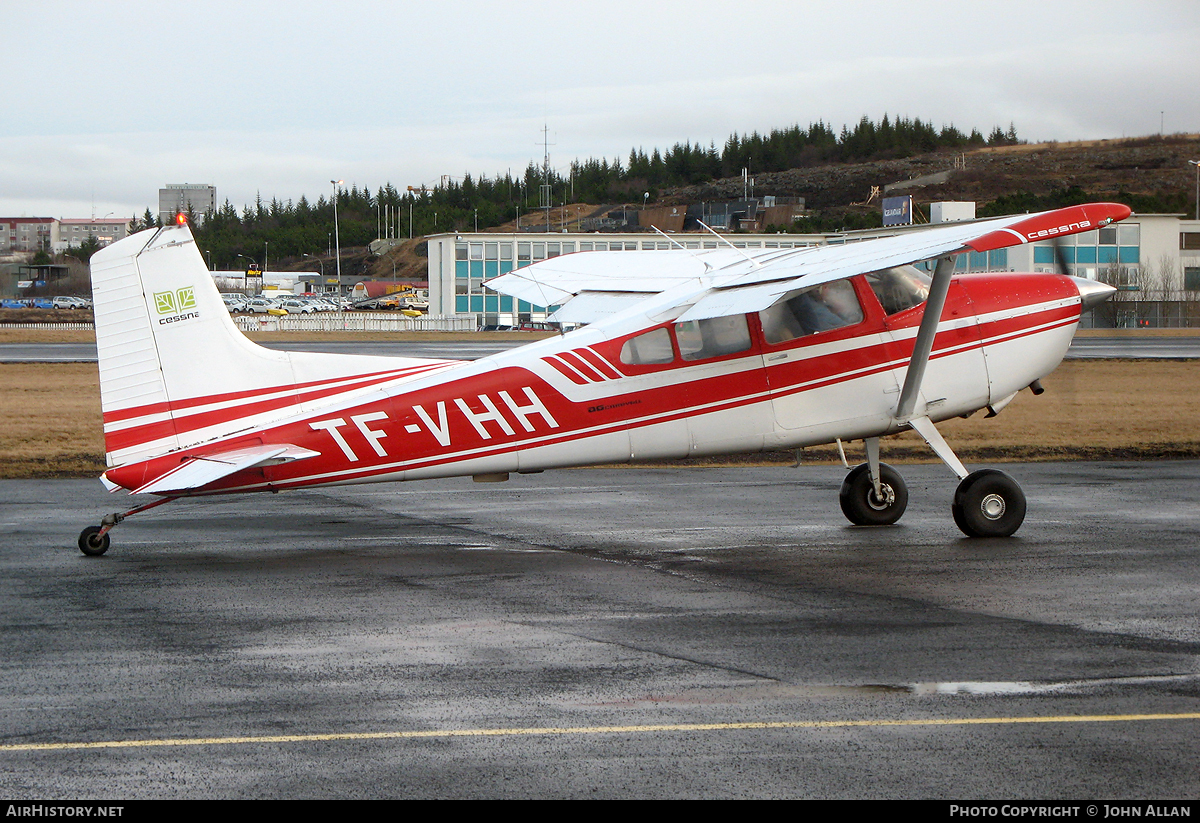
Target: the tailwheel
(988, 503)
(863, 506)
(94, 541)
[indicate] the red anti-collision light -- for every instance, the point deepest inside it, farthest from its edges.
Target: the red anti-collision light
(181, 219)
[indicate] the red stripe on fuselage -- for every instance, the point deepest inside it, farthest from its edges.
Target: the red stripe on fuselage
(601, 365)
(586, 369)
(117, 415)
(565, 370)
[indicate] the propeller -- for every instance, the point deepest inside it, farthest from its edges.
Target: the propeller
(1091, 292)
(1060, 256)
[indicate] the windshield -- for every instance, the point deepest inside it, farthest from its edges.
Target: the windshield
(900, 288)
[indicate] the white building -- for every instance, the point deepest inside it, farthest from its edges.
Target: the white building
(1156, 256)
(72, 231)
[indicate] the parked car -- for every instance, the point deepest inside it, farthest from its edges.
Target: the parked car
(261, 305)
(295, 306)
(69, 303)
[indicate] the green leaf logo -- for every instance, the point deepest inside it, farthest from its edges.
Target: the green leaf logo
(164, 301)
(186, 298)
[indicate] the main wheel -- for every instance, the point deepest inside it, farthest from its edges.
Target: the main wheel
(92, 543)
(988, 503)
(863, 507)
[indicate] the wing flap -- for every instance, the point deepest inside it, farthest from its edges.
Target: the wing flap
(592, 306)
(200, 470)
(554, 281)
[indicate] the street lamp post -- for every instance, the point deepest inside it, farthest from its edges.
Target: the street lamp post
(320, 263)
(336, 236)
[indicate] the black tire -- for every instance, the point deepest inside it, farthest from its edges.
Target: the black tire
(862, 507)
(92, 543)
(988, 503)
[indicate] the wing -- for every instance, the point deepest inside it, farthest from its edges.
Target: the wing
(594, 285)
(757, 289)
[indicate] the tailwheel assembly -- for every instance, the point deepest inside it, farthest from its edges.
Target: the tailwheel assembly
(94, 540)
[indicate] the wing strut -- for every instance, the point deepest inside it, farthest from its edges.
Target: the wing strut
(922, 348)
(925, 334)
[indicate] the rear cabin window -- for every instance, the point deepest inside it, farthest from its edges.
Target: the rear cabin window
(651, 348)
(817, 309)
(712, 337)
(900, 288)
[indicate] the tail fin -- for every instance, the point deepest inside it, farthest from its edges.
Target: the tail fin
(174, 369)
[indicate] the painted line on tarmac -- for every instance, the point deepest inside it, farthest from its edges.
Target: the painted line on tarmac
(587, 730)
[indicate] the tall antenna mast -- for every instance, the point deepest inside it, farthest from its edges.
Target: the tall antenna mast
(545, 187)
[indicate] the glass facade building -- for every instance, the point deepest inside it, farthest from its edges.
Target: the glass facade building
(1147, 253)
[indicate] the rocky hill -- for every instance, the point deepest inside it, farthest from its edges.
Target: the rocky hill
(1152, 171)
(1151, 167)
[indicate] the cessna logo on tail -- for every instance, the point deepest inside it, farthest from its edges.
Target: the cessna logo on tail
(175, 302)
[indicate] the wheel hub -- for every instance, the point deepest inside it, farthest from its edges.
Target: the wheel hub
(889, 497)
(992, 506)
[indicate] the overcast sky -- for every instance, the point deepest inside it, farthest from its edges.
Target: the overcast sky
(106, 102)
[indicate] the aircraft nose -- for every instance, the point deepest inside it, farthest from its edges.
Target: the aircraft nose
(1091, 292)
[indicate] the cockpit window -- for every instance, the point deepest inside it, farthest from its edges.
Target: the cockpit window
(820, 308)
(651, 348)
(713, 337)
(900, 288)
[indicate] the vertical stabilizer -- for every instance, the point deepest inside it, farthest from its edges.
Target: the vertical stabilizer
(174, 369)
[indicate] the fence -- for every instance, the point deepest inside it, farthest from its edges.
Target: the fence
(356, 322)
(1123, 312)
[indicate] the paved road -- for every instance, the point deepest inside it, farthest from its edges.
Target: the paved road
(1154, 348)
(1174, 348)
(357, 642)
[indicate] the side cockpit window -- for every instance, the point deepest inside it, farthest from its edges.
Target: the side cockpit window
(900, 288)
(816, 309)
(651, 348)
(712, 337)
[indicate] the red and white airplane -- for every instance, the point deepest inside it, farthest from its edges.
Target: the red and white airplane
(685, 353)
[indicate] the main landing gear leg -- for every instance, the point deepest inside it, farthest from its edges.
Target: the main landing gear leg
(94, 540)
(987, 503)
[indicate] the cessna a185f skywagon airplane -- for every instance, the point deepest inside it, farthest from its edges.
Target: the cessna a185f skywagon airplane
(684, 354)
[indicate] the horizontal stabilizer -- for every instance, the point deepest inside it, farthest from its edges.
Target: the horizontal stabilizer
(200, 470)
